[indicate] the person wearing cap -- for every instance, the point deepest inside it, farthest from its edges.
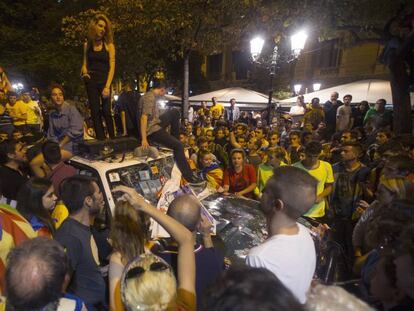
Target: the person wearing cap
(34, 120)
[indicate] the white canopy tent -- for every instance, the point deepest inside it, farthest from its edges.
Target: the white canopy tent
(244, 98)
(172, 98)
(369, 90)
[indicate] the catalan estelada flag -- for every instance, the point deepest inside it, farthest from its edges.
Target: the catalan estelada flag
(14, 230)
(214, 175)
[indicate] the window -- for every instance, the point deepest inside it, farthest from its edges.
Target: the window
(214, 66)
(240, 64)
(328, 55)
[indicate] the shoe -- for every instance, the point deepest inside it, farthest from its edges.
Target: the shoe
(196, 181)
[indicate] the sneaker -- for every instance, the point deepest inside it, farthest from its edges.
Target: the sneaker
(196, 181)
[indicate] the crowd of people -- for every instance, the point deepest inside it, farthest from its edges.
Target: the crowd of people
(335, 164)
(348, 172)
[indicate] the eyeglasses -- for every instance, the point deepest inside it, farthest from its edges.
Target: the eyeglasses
(155, 267)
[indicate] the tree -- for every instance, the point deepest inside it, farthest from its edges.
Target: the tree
(361, 20)
(30, 45)
(151, 34)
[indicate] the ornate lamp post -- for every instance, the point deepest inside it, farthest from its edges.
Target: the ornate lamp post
(298, 41)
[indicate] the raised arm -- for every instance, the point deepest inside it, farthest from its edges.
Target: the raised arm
(233, 141)
(184, 238)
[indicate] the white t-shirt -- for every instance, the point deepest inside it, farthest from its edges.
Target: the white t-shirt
(191, 114)
(296, 110)
(343, 118)
(292, 258)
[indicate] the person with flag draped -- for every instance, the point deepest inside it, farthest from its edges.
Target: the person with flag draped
(14, 230)
(210, 170)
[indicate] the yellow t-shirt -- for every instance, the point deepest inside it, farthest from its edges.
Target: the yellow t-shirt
(59, 214)
(324, 175)
(18, 110)
(217, 111)
(32, 112)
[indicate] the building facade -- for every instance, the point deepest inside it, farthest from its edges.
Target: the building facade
(330, 63)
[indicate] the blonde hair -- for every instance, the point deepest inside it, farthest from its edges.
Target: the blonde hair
(152, 290)
(326, 298)
(108, 37)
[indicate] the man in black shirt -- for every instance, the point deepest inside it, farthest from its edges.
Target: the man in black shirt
(349, 188)
(35, 276)
(330, 108)
(84, 201)
(12, 158)
(128, 104)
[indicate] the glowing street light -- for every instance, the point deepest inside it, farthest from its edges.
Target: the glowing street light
(162, 103)
(18, 86)
(317, 86)
(256, 46)
(297, 88)
(297, 44)
(298, 41)
(116, 97)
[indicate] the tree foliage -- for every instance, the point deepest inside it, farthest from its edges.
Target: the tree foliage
(29, 45)
(149, 34)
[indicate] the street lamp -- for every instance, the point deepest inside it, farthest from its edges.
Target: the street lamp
(256, 46)
(18, 86)
(297, 88)
(298, 41)
(316, 87)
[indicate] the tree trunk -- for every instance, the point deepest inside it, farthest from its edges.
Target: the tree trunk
(401, 102)
(185, 103)
(400, 88)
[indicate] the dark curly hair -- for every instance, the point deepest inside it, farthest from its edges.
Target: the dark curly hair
(244, 288)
